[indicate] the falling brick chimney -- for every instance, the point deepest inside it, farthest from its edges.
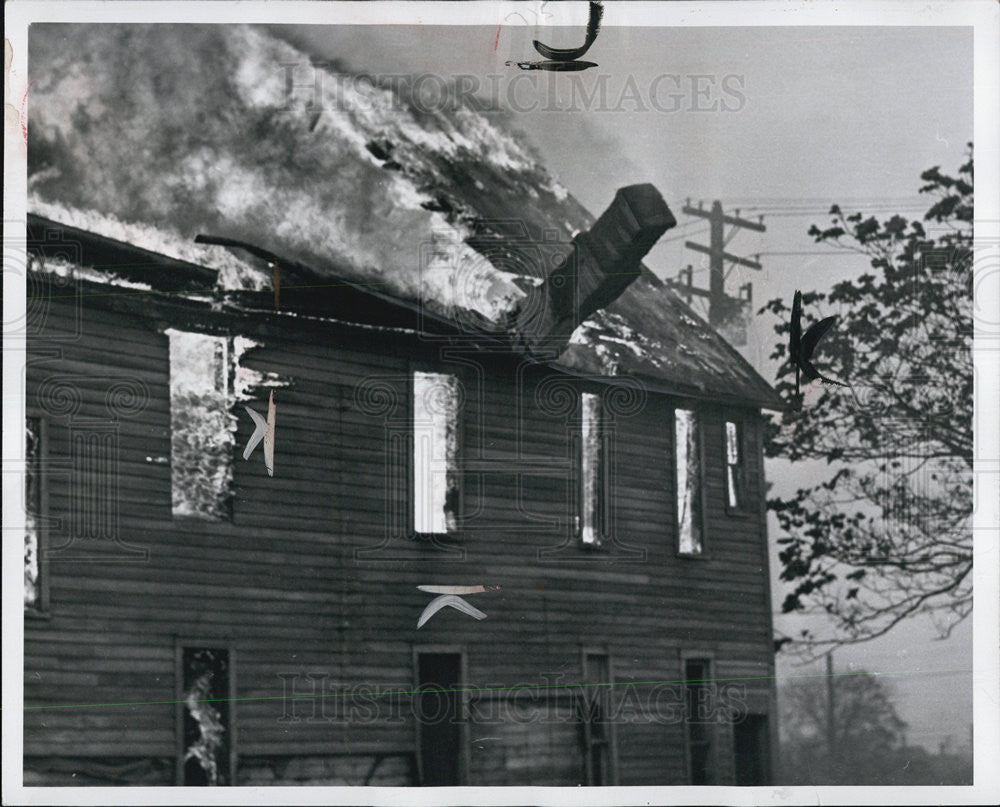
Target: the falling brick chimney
(599, 266)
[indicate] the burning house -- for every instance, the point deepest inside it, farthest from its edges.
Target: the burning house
(474, 383)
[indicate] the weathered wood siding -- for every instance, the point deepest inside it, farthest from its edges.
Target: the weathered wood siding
(302, 581)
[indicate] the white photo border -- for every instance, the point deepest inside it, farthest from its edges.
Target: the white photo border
(982, 15)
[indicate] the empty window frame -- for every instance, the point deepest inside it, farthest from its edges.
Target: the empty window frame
(206, 704)
(436, 431)
(201, 425)
(598, 733)
(688, 480)
(591, 501)
(34, 576)
(735, 466)
(698, 719)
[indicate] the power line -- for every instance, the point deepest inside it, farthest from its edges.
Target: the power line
(805, 200)
(682, 236)
(831, 203)
(832, 252)
(826, 212)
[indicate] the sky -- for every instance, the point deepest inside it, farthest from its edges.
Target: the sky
(779, 122)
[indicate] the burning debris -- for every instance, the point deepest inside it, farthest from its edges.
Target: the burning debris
(206, 716)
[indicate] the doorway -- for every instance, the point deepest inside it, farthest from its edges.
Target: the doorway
(439, 715)
(750, 748)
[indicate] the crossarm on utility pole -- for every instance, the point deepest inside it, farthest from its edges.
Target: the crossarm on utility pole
(726, 256)
(725, 218)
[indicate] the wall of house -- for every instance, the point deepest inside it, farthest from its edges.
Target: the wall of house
(312, 592)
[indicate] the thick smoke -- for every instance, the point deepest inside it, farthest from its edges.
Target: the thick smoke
(191, 128)
(154, 133)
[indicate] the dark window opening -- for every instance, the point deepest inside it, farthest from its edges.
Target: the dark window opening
(697, 690)
(735, 482)
(33, 581)
(207, 709)
(595, 703)
(439, 676)
(751, 744)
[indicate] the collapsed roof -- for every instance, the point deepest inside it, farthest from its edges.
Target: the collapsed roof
(150, 135)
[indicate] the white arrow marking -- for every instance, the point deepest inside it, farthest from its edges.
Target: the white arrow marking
(444, 600)
(269, 437)
(457, 589)
(258, 432)
(263, 430)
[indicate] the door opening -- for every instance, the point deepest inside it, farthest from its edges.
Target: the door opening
(439, 713)
(750, 746)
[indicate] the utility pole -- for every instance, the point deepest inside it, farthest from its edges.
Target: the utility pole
(685, 283)
(831, 737)
(719, 303)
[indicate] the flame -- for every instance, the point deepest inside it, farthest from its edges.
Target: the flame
(189, 128)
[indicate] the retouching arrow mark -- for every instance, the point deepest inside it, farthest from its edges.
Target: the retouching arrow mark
(269, 436)
(263, 430)
(258, 432)
(457, 589)
(569, 54)
(454, 601)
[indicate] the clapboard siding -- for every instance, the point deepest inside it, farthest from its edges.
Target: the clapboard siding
(297, 582)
